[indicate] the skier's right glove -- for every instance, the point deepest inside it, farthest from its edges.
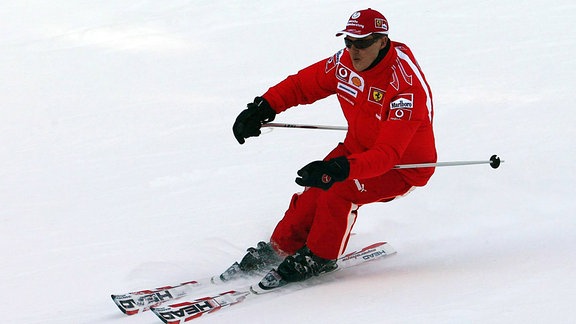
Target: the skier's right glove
(250, 120)
(323, 174)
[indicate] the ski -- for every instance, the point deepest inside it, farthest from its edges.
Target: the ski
(188, 310)
(136, 302)
(185, 311)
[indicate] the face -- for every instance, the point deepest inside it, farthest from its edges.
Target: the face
(362, 58)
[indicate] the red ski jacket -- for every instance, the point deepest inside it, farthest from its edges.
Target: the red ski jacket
(388, 108)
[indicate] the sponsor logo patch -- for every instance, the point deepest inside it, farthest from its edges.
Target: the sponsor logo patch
(347, 89)
(376, 95)
(404, 101)
(350, 77)
(330, 64)
(343, 74)
(379, 23)
(333, 61)
(400, 114)
(401, 107)
(356, 81)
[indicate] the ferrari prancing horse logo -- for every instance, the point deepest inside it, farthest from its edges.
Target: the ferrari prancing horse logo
(376, 95)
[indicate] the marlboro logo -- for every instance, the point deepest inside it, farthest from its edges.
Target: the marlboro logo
(402, 101)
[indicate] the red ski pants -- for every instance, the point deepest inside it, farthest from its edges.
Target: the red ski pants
(323, 220)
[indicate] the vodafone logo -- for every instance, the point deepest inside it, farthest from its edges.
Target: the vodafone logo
(326, 178)
(400, 114)
(343, 73)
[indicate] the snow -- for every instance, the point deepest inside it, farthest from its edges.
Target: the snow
(119, 171)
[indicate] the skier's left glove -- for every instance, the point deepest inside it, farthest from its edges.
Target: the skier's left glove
(323, 174)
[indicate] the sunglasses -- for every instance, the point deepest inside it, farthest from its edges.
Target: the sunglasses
(361, 43)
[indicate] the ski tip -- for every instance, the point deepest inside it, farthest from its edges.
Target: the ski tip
(390, 250)
(118, 302)
(385, 246)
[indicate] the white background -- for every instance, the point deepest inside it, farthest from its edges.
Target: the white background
(119, 170)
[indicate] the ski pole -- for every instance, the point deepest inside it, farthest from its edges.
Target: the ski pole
(494, 163)
(494, 159)
(281, 125)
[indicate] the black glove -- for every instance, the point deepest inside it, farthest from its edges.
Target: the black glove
(250, 120)
(323, 174)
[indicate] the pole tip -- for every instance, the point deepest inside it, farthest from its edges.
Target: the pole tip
(495, 161)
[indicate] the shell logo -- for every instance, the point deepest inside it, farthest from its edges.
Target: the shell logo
(356, 81)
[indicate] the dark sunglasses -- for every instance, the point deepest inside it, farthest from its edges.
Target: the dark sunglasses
(361, 43)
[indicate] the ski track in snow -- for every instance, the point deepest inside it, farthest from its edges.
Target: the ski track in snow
(119, 171)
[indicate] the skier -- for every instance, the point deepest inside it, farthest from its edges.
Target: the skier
(388, 107)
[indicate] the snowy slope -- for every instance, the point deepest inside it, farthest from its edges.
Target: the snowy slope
(119, 171)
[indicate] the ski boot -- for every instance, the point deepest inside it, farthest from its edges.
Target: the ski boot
(298, 267)
(258, 258)
(303, 265)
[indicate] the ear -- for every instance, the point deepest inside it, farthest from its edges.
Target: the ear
(384, 42)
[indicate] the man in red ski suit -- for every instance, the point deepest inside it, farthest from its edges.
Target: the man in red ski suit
(388, 106)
